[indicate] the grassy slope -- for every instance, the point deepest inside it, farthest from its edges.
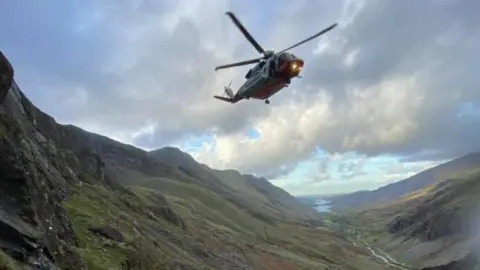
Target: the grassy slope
(250, 191)
(94, 205)
(214, 227)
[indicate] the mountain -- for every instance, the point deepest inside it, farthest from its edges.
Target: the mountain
(427, 221)
(72, 199)
(436, 227)
(451, 169)
(247, 188)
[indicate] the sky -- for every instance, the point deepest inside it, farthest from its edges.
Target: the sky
(391, 91)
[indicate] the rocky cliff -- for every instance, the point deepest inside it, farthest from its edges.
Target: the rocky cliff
(36, 172)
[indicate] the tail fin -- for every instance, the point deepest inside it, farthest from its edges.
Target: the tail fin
(232, 98)
(228, 90)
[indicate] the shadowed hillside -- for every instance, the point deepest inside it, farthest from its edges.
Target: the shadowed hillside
(433, 228)
(72, 199)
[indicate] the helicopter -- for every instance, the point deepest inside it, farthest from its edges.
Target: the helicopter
(272, 72)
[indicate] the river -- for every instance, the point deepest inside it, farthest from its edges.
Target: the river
(356, 238)
(322, 205)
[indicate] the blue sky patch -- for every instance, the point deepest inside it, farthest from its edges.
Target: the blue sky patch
(253, 134)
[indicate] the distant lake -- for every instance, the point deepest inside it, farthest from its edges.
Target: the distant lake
(322, 205)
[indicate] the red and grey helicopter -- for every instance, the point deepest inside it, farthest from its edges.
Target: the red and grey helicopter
(272, 72)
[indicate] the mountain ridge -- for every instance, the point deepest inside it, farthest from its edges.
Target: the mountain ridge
(435, 228)
(432, 226)
(390, 192)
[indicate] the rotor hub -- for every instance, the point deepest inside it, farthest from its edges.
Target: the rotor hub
(269, 53)
(266, 54)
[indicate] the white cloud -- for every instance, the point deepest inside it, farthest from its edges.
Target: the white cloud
(383, 115)
(389, 80)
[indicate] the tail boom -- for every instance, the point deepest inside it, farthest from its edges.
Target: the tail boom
(234, 99)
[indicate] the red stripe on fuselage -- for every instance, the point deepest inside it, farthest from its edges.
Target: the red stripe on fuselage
(269, 89)
(265, 92)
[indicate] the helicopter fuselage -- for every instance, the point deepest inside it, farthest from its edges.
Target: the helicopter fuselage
(268, 77)
(271, 73)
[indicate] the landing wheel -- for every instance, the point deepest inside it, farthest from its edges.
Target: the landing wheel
(267, 101)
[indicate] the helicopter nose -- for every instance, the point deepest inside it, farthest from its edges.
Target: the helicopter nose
(296, 66)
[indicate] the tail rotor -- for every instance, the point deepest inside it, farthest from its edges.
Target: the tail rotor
(228, 90)
(231, 97)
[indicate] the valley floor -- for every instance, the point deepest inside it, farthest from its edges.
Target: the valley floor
(356, 238)
(206, 243)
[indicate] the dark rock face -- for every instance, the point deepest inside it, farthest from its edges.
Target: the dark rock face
(6, 76)
(108, 232)
(470, 262)
(33, 185)
(451, 211)
(40, 161)
(19, 242)
(429, 226)
(161, 208)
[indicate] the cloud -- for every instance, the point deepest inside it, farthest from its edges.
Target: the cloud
(150, 63)
(395, 78)
(349, 172)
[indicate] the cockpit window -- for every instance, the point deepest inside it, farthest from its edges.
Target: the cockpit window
(286, 57)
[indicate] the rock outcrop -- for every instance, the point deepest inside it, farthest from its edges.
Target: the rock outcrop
(40, 162)
(450, 211)
(34, 180)
(6, 76)
(470, 262)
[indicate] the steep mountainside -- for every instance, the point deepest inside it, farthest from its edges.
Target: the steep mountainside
(258, 192)
(435, 228)
(451, 169)
(76, 200)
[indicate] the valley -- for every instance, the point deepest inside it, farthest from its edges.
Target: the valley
(432, 227)
(72, 199)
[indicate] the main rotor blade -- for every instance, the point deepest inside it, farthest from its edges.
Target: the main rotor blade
(245, 32)
(253, 61)
(310, 38)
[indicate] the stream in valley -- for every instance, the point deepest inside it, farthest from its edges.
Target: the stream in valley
(357, 240)
(323, 206)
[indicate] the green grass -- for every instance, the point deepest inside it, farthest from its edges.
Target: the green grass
(208, 205)
(217, 225)
(300, 245)
(94, 205)
(8, 263)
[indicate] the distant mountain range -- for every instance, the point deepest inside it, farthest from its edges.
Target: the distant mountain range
(452, 169)
(430, 220)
